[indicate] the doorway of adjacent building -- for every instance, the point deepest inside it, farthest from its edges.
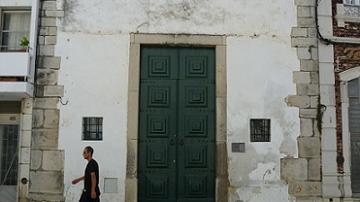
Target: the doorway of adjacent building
(354, 128)
(9, 138)
(176, 125)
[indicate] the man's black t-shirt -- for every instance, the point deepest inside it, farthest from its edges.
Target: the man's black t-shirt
(92, 166)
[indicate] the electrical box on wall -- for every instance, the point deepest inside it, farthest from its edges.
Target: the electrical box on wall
(238, 147)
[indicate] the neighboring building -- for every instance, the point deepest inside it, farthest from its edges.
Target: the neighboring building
(177, 97)
(18, 34)
(328, 141)
(182, 100)
(31, 167)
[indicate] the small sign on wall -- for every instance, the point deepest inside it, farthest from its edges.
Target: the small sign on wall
(110, 185)
(238, 147)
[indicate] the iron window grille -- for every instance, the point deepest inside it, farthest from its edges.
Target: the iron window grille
(92, 128)
(260, 130)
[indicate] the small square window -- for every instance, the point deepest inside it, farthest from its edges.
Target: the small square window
(260, 130)
(92, 128)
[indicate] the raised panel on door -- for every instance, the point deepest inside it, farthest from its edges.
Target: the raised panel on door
(197, 64)
(196, 136)
(158, 63)
(157, 125)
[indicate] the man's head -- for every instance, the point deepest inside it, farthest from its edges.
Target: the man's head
(88, 152)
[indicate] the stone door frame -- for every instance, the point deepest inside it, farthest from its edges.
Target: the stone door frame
(217, 42)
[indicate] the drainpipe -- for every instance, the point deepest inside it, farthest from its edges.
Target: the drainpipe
(33, 36)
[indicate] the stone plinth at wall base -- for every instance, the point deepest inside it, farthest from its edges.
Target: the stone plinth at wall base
(46, 182)
(309, 200)
(131, 189)
(222, 184)
(46, 197)
(23, 200)
(341, 200)
(305, 188)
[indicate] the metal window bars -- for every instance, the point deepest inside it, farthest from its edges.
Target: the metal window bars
(92, 128)
(260, 130)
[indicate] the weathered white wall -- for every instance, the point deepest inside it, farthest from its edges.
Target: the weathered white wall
(95, 73)
(93, 42)
(259, 77)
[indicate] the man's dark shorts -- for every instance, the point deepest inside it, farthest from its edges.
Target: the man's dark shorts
(86, 198)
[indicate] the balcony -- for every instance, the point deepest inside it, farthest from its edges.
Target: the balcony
(14, 72)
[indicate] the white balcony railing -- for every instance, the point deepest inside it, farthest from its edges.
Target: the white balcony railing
(14, 64)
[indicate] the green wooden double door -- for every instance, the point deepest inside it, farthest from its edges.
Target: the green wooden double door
(177, 125)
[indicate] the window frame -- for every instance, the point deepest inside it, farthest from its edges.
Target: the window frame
(260, 138)
(99, 133)
(3, 11)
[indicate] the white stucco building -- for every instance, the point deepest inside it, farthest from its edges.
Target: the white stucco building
(94, 40)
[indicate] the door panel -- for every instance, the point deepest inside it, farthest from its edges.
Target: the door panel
(158, 103)
(9, 137)
(196, 167)
(159, 63)
(177, 125)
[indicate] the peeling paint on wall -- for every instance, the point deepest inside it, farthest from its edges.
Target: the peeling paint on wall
(255, 173)
(178, 16)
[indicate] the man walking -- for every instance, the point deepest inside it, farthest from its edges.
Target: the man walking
(91, 190)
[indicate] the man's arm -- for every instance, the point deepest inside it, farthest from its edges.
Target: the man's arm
(78, 180)
(93, 185)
